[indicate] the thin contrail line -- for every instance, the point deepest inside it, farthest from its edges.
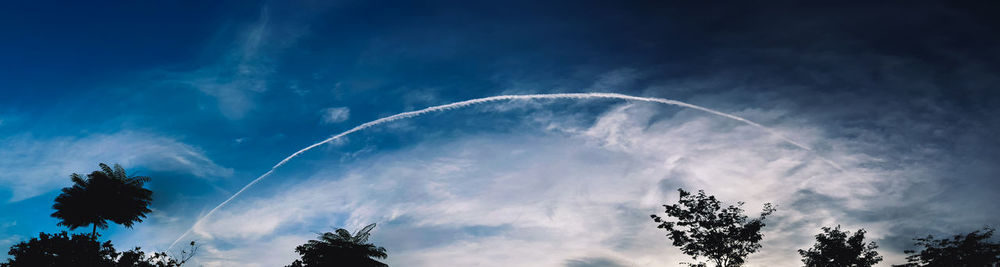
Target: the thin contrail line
(465, 103)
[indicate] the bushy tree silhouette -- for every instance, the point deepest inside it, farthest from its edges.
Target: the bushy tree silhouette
(963, 250)
(704, 228)
(62, 249)
(340, 248)
(108, 194)
(137, 258)
(105, 195)
(834, 248)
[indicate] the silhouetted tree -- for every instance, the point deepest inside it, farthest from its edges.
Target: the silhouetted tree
(834, 248)
(137, 258)
(108, 194)
(705, 228)
(340, 248)
(62, 249)
(963, 250)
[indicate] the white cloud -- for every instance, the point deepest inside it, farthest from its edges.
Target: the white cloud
(336, 114)
(237, 79)
(615, 80)
(9, 240)
(245, 70)
(552, 200)
(33, 166)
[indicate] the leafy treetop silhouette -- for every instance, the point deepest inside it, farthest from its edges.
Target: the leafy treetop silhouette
(834, 248)
(963, 250)
(62, 249)
(340, 248)
(108, 194)
(704, 228)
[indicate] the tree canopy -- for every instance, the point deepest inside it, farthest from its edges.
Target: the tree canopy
(63, 249)
(704, 228)
(340, 248)
(105, 195)
(836, 248)
(963, 250)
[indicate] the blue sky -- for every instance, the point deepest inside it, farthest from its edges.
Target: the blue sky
(204, 97)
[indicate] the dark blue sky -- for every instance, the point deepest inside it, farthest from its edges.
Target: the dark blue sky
(204, 97)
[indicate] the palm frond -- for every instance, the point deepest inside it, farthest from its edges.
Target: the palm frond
(343, 234)
(120, 172)
(105, 195)
(106, 169)
(77, 179)
(139, 180)
(362, 235)
(340, 248)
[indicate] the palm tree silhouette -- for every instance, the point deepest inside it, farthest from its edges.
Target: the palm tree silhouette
(340, 248)
(105, 195)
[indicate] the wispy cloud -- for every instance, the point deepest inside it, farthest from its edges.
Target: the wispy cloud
(37, 165)
(335, 114)
(586, 194)
(594, 262)
(912, 120)
(9, 240)
(245, 70)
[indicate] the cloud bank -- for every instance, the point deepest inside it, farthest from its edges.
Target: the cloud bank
(584, 192)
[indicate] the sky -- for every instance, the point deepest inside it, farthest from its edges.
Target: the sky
(204, 97)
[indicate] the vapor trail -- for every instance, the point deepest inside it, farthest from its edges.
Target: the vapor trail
(465, 103)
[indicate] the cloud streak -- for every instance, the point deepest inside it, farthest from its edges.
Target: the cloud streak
(37, 165)
(584, 193)
(461, 104)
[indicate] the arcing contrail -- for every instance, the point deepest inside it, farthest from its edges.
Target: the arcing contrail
(465, 103)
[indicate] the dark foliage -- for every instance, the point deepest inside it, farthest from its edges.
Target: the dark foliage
(340, 248)
(105, 195)
(704, 228)
(834, 248)
(137, 258)
(963, 250)
(62, 249)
